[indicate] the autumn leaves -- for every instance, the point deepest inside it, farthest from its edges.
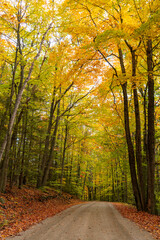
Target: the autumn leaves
(73, 74)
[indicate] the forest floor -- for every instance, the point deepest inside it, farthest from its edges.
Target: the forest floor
(93, 220)
(22, 208)
(149, 222)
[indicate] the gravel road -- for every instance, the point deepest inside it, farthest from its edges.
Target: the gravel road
(89, 221)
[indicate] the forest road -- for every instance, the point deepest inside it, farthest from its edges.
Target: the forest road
(89, 221)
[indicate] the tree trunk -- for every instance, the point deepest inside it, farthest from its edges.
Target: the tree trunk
(138, 128)
(23, 152)
(151, 131)
(113, 183)
(53, 142)
(19, 97)
(63, 157)
(145, 147)
(129, 140)
(45, 155)
(7, 140)
(138, 134)
(131, 151)
(83, 189)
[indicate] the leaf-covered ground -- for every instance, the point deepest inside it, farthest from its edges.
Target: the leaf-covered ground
(21, 208)
(149, 222)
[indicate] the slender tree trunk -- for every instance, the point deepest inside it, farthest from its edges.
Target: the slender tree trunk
(17, 157)
(4, 119)
(13, 159)
(19, 97)
(138, 129)
(138, 134)
(45, 155)
(71, 165)
(11, 122)
(129, 140)
(131, 151)
(113, 183)
(126, 188)
(63, 156)
(47, 140)
(7, 140)
(83, 189)
(79, 165)
(28, 157)
(53, 142)
(23, 152)
(145, 148)
(151, 130)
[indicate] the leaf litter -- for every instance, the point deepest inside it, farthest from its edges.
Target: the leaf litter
(22, 208)
(149, 222)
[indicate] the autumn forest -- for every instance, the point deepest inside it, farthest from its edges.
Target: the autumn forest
(80, 98)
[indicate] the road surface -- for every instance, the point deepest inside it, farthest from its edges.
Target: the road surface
(89, 221)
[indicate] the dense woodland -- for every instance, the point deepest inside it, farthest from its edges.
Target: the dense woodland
(80, 97)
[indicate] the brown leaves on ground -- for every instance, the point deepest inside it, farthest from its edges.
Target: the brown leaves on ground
(27, 206)
(149, 222)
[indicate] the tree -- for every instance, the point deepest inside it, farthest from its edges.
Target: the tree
(20, 14)
(79, 97)
(107, 36)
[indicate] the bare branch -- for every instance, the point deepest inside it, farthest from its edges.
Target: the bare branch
(108, 62)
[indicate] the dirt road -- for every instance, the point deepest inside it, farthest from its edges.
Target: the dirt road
(89, 221)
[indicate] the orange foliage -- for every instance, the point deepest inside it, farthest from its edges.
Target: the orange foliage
(150, 223)
(28, 206)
